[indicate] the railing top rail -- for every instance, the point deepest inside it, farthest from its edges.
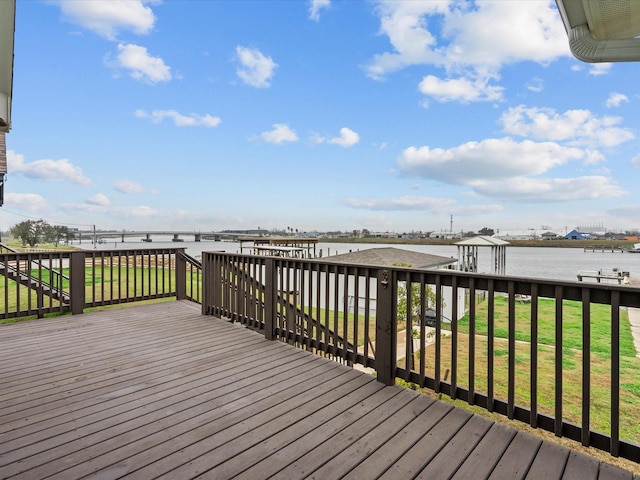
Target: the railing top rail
(34, 256)
(573, 290)
(116, 252)
(191, 259)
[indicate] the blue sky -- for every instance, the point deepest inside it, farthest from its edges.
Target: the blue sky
(329, 115)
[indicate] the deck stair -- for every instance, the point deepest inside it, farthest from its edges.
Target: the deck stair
(11, 270)
(285, 301)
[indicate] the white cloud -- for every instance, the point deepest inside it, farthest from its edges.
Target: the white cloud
(629, 211)
(107, 18)
(119, 212)
(508, 170)
(142, 211)
(315, 7)
(400, 203)
(476, 210)
(533, 32)
(489, 159)
(347, 138)
(28, 202)
(141, 65)
(635, 161)
(129, 187)
(577, 127)
(48, 170)
(180, 120)
(615, 99)
(597, 69)
(535, 85)
(281, 133)
(433, 205)
(543, 190)
(255, 69)
(99, 199)
(463, 90)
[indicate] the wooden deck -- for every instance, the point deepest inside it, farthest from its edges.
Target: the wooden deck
(160, 391)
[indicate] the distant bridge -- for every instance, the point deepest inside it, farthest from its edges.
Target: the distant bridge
(147, 235)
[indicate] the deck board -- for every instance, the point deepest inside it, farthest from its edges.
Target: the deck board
(160, 391)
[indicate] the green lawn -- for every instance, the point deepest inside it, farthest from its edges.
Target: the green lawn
(600, 359)
(102, 283)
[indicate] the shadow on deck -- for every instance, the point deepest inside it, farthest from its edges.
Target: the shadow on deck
(162, 391)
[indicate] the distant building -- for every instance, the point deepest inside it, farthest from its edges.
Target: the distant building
(390, 257)
(576, 235)
(446, 235)
(549, 235)
(517, 235)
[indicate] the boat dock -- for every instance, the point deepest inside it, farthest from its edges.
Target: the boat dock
(604, 248)
(614, 275)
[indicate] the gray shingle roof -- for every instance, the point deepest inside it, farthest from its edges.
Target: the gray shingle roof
(389, 256)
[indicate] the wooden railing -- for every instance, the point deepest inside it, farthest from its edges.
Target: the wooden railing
(42, 283)
(192, 278)
(33, 284)
(556, 355)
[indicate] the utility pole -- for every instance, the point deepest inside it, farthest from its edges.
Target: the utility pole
(451, 224)
(94, 237)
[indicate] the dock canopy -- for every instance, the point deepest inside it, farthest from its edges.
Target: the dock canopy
(7, 34)
(468, 253)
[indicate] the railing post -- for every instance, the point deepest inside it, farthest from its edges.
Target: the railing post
(270, 281)
(181, 275)
(76, 282)
(386, 328)
(207, 293)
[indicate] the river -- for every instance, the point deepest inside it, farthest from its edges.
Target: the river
(531, 262)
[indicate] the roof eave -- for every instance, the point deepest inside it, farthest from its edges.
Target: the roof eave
(582, 42)
(7, 36)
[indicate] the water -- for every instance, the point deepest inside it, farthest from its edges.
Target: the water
(531, 262)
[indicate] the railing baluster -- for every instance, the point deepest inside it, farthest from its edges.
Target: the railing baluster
(490, 343)
(533, 373)
(438, 360)
(615, 373)
(586, 366)
(156, 268)
(408, 358)
(356, 313)
(511, 369)
(472, 341)
(454, 338)
(345, 315)
(558, 363)
(135, 274)
(128, 267)
(101, 256)
(336, 303)
(307, 273)
(423, 347)
(367, 316)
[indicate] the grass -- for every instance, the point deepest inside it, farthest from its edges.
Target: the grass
(571, 358)
(103, 283)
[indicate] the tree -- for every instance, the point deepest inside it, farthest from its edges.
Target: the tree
(486, 231)
(56, 233)
(411, 303)
(31, 232)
